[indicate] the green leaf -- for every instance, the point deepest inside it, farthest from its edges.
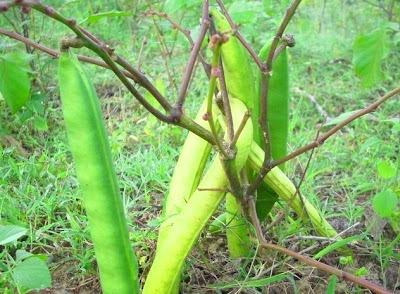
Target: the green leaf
(14, 83)
(190, 3)
(331, 285)
(361, 271)
(32, 273)
(22, 254)
(21, 58)
(36, 103)
(96, 17)
(385, 203)
(337, 245)
(25, 115)
(40, 123)
(386, 169)
(11, 233)
(243, 12)
(172, 6)
(369, 51)
(345, 259)
(340, 118)
(344, 116)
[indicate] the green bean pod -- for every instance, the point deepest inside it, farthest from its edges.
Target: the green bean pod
(278, 103)
(286, 190)
(239, 80)
(188, 224)
(186, 177)
(102, 201)
(278, 120)
(236, 60)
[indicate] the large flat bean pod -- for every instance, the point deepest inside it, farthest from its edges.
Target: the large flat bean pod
(237, 63)
(188, 224)
(278, 120)
(97, 179)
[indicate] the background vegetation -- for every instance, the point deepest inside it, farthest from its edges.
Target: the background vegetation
(38, 187)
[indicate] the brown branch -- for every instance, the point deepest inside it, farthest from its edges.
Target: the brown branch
(237, 34)
(226, 104)
(164, 51)
(205, 22)
(175, 116)
(55, 54)
(265, 169)
(319, 141)
(312, 262)
(240, 128)
(185, 32)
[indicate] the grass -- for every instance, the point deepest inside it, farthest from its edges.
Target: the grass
(39, 188)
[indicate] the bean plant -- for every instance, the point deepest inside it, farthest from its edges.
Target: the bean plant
(244, 119)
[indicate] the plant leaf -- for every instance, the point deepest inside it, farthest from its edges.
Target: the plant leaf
(172, 6)
(369, 51)
(243, 12)
(386, 169)
(96, 17)
(14, 83)
(40, 123)
(32, 273)
(22, 254)
(331, 285)
(11, 233)
(385, 203)
(337, 245)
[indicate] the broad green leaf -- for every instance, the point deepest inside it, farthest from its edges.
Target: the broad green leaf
(190, 3)
(32, 273)
(369, 51)
(385, 203)
(337, 245)
(14, 84)
(22, 254)
(96, 17)
(331, 285)
(172, 6)
(11, 233)
(25, 115)
(243, 12)
(21, 58)
(40, 123)
(36, 103)
(386, 169)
